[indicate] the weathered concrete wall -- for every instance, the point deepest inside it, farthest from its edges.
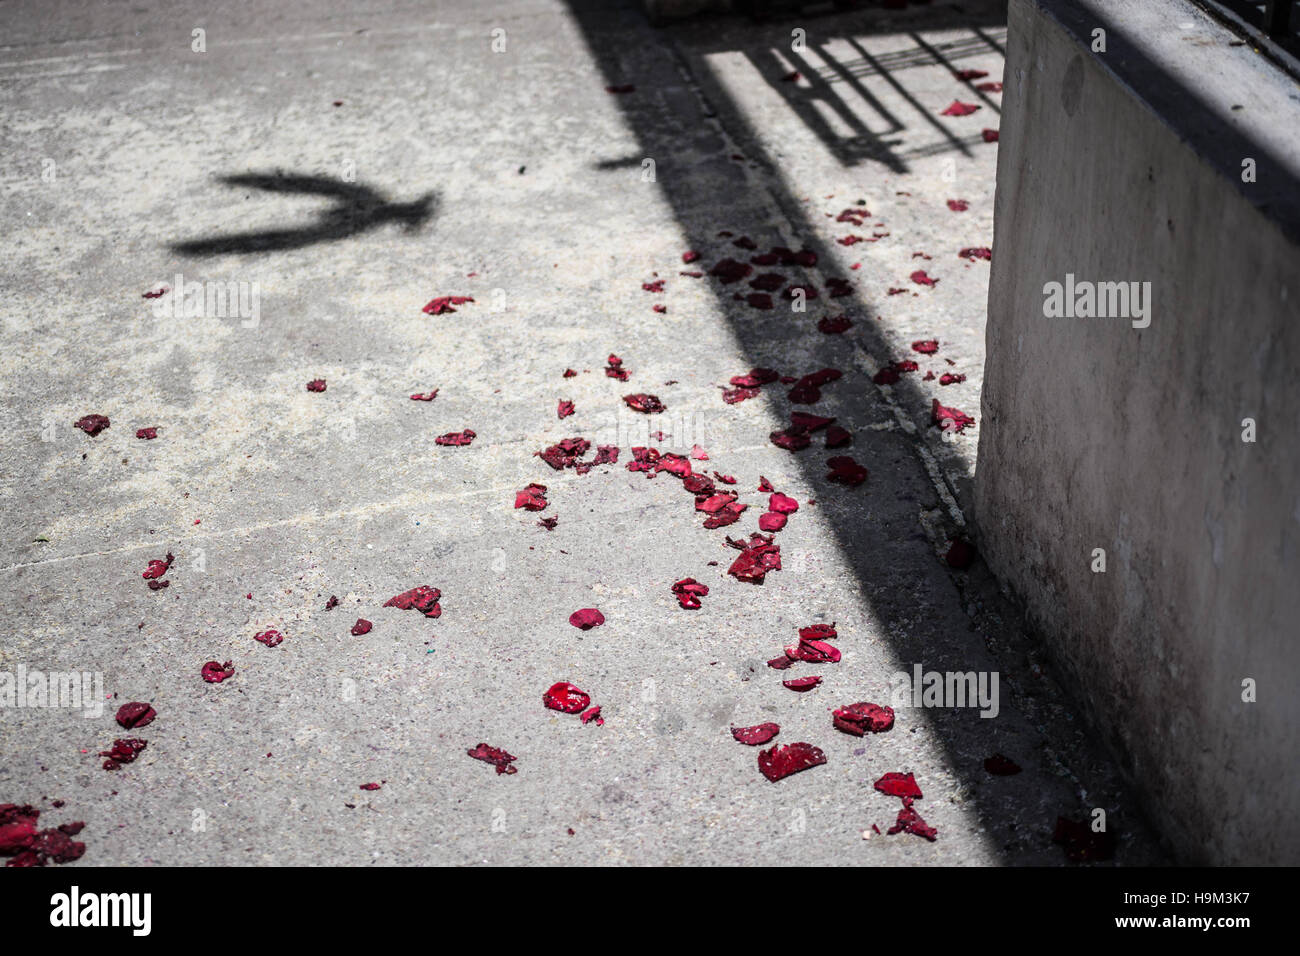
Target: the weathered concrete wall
(1126, 165)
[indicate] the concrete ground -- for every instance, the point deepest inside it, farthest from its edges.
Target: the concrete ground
(378, 155)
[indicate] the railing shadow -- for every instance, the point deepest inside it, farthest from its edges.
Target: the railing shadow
(876, 552)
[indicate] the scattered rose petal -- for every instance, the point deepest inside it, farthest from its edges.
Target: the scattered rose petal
(495, 756)
(215, 673)
(834, 325)
(756, 559)
(689, 591)
(947, 378)
(269, 637)
(926, 346)
(549, 523)
(620, 88)
(424, 396)
(758, 734)
(92, 425)
(802, 684)
(729, 270)
(909, 821)
(156, 568)
(332, 603)
(837, 437)
(590, 714)
(958, 108)
(949, 419)
(370, 786)
(456, 438)
(361, 627)
(444, 304)
(990, 135)
(921, 278)
(135, 714)
(565, 697)
(421, 598)
(124, 750)
(1001, 766)
(861, 718)
(648, 404)
(148, 434)
(958, 205)
(532, 498)
(771, 522)
(316, 385)
(899, 785)
(845, 471)
(586, 618)
(782, 761)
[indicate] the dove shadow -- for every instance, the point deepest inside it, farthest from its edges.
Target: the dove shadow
(357, 209)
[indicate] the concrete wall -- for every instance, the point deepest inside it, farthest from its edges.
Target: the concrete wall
(1126, 165)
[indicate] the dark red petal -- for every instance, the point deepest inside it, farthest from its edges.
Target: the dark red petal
(1001, 766)
(758, 734)
(861, 718)
(899, 785)
(565, 697)
(781, 761)
(496, 756)
(269, 637)
(586, 618)
(135, 714)
(361, 627)
(802, 684)
(215, 673)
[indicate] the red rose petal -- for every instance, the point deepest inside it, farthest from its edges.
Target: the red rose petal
(837, 437)
(758, 734)
(771, 522)
(156, 568)
(443, 305)
(648, 404)
(124, 750)
(921, 278)
(958, 108)
(899, 785)
(370, 786)
(456, 438)
(949, 419)
(269, 637)
(783, 504)
(756, 559)
(590, 714)
(1001, 766)
(565, 697)
(424, 396)
(976, 252)
(532, 498)
(215, 673)
(495, 756)
(729, 270)
(846, 471)
(135, 714)
(835, 325)
(802, 684)
(688, 592)
(926, 346)
(422, 598)
(316, 385)
(990, 135)
(782, 761)
(909, 821)
(148, 434)
(958, 205)
(92, 425)
(961, 554)
(361, 627)
(863, 717)
(564, 409)
(586, 618)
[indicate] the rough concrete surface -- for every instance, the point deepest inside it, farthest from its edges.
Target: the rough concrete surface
(447, 159)
(1104, 440)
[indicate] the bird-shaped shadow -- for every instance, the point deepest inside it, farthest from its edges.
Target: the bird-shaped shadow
(357, 209)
